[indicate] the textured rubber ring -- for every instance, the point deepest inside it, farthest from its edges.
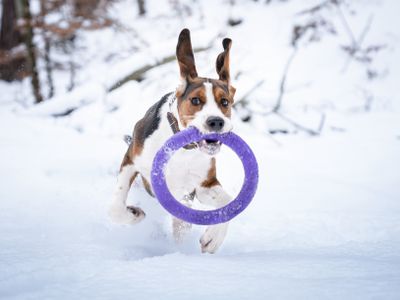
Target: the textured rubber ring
(204, 217)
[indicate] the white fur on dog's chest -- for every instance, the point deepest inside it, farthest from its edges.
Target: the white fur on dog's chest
(186, 169)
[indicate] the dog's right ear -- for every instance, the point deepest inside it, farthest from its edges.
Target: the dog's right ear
(222, 63)
(184, 54)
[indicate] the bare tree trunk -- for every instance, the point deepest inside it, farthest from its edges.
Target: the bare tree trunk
(282, 86)
(11, 62)
(9, 35)
(72, 74)
(49, 69)
(68, 46)
(85, 8)
(142, 8)
(30, 47)
(47, 49)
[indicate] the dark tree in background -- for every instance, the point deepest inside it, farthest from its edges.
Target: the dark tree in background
(47, 49)
(18, 55)
(20, 29)
(12, 57)
(9, 35)
(30, 47)
(142, 8)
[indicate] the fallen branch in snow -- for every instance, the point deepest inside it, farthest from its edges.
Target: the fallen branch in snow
(356, 43)
(64, 113)
(276, 109)
(316, 8)
(282, 85)
(247, 94)
(301, 127)
(137, 75)
(293, 123)
(278, 104)
(242, 102)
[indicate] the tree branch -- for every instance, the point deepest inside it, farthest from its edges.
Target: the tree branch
(249, 92)
(282, 86)
(137, 75)
(301, 127)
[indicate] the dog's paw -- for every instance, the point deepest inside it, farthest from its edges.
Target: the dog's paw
(126, 215)
(213, 238)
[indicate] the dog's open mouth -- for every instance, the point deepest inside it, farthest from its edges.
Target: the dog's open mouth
(211, 147)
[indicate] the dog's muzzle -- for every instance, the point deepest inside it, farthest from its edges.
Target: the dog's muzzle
(210, 147)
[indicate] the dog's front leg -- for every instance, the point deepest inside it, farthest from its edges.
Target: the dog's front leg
(181, 228)
(119, 212)
(214, 235)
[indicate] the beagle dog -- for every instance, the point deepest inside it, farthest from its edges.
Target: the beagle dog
(201, 102)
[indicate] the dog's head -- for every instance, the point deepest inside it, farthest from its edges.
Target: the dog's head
(204, 103)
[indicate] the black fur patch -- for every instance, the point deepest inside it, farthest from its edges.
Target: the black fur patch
(152, 117)
(150, 122)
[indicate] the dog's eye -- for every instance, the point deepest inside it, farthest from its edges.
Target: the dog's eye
(195, 101)
(224, 102)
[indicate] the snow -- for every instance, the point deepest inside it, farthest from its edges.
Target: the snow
(324, 223)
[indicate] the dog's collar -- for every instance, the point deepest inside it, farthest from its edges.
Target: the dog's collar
(173, 123)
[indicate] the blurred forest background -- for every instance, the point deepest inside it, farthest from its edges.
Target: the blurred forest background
(313, 54)
(317, 100)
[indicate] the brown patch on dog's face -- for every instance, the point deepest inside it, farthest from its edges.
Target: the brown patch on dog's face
(223, 96)
(193, 89)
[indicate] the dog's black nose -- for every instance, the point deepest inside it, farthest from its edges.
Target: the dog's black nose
(215, 123)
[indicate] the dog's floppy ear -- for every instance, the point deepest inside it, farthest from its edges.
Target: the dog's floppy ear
(184, 54)
(222, 64)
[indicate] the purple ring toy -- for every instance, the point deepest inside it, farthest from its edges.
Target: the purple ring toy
(204, 217)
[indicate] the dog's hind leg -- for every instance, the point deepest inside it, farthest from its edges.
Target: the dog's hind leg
(119, 212)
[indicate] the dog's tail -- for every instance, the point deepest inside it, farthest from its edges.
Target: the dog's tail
(128, 139)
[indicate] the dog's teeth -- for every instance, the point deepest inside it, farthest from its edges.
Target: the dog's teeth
(210, 148)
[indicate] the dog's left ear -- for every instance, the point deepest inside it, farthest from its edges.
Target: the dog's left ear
(184, 54)
(222, 64)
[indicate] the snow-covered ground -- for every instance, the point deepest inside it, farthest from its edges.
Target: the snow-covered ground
(324, 223)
